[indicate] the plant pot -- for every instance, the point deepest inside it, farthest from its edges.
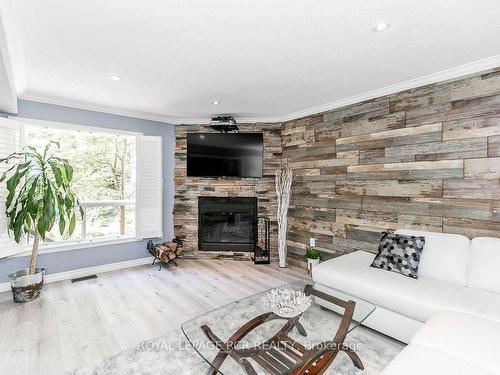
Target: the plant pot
(26, 287)
(311, 263)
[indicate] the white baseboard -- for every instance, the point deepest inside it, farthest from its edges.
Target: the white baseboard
(82, 272)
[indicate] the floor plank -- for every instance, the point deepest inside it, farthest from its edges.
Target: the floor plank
(74, 325)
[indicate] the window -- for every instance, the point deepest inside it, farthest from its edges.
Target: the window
(104, 179)
(117, 177)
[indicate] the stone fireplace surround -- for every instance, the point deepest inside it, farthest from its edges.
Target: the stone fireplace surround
(189, 189)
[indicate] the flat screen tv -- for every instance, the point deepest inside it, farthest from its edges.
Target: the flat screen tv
(224, 154)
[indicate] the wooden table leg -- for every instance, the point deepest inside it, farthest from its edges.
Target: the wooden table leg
(354, 357)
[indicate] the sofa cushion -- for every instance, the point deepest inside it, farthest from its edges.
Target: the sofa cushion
(399, 253)
(421, 360)
(352, 274)
(476, 302)
(470, 338)
(484, 264)
(445, 256)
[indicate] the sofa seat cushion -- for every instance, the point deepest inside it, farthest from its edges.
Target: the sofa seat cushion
(483, 270)
(472, 339)
(422, 360)
(476, 302)
(445, 256)
(352, 274)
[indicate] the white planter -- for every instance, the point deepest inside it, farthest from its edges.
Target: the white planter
(26, 287)
(311, 263)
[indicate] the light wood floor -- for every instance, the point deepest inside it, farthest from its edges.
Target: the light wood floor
(74, 325)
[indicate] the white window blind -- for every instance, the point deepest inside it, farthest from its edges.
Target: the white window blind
(10, 141)
(149, 191)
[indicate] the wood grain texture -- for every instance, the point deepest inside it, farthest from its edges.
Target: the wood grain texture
(78, 325)
(390, 188)
(482, 168)
(426, 158)
(470, 128)
(494, 146)
(440, 169)
(472, 189)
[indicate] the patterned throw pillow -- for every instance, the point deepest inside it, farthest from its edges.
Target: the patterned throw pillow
(399, 253)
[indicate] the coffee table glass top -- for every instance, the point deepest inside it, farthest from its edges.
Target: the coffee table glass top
(319, 323)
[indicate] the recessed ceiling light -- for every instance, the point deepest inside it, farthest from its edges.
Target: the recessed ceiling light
(381, 26)
(215, 102)
(115, 78)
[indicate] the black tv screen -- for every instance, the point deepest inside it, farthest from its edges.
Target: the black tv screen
(224, 154)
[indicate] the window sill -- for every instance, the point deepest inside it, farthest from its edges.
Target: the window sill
(47, 249)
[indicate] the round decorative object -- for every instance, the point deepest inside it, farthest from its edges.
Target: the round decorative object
(287, 303)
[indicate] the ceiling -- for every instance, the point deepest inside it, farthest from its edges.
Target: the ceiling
(264, 60)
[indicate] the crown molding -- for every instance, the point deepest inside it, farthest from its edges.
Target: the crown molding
(40, 98)
(441, 76)
(445, 75)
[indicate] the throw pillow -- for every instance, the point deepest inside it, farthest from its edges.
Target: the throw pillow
(399, 253)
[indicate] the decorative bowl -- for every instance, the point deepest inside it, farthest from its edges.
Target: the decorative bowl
(287, 303)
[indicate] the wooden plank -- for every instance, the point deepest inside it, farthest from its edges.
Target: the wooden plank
(442, 169)
(303, 236)
(341, 159)
(340, 201)
(375, 106)
(472, 189)
(364, 234)
(417, 222)
(421, 97)
(319, 188)
(456, 149)
(396, 137)
(482, 168)
(456, 110)
(329, 131)
(345, 245)
(323, 174)
(319, 213)
(373, 219)
(471, 128)
(496, 211)
(445, 207)
(391, 188)
(479, 86)
(329, 228)
(494, 146)
(378, 156)
(471, 228)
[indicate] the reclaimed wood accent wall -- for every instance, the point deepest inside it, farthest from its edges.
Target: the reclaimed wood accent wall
(188, 189)
(427, 159)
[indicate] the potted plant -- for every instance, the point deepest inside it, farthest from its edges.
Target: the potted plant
(312, 256)
(39, 196)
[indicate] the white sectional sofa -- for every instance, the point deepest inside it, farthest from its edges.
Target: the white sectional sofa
(450, 315)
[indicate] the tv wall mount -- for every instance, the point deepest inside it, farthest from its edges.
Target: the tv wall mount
(224, 124)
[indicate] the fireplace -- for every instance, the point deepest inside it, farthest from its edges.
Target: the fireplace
(227, 223)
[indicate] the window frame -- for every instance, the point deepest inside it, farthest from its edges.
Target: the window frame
(67, 245)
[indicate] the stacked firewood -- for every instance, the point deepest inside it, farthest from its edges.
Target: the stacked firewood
(168, 251)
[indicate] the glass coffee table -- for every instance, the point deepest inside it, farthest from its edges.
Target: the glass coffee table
(245, 337)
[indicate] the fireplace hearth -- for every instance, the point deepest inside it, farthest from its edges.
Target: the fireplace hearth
(227, 223)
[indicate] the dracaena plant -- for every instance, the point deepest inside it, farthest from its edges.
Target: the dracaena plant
(39, 195)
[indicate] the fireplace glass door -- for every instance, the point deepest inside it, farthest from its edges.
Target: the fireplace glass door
(227, 223)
